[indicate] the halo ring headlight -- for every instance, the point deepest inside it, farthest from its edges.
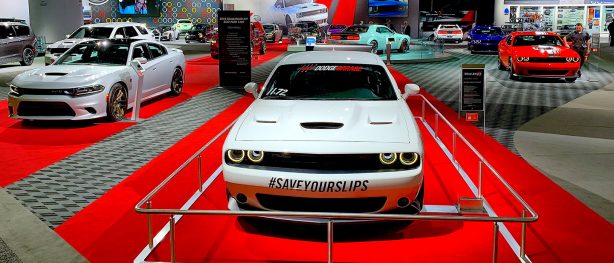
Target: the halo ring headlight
(236, 156)
(408, 158)
(255, 156)
(387, 158)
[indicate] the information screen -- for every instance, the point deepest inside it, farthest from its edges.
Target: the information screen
(388, 8)
(142, 8)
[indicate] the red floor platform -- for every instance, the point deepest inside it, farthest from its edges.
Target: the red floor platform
(109, 230)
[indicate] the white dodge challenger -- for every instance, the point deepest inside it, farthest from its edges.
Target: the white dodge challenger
(329, 132)
(94, 79)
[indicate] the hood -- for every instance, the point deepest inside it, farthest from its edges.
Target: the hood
(544, 51)
(484, 37)
(340, 121)
(68, 43)
(63, 76)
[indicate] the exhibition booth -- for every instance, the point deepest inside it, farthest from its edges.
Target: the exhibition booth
(298, 131)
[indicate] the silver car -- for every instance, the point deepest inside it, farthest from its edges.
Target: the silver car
(94, 79)
(17, 43)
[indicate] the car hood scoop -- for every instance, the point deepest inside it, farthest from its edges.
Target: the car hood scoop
(55, 74)
(321, 125)
(316, 120)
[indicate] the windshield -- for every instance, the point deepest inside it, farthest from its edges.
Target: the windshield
(92, 32)
(268, 28)
(337, 26)
(537, 40)
(297, 2)
(329, 82)
(356, 29)
(96, 53)
(489, 31)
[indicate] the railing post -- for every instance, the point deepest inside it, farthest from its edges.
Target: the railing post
(436, 124)
(480, 179)
(200, 173)
(524, 235)
(454, 146)
(149, 226)
(495, 243)
(423, 102)
(330, 240)
(172, 238)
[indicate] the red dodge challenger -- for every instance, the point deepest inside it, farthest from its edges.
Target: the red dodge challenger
(538, 54)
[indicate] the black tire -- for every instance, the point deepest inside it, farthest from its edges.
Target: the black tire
(374, 46)
(511, 71)
(404, 46)
(176, 83)
(117, 104)
(27, 56)
(570, 80)
(500, 64)
(416, 206)
(187, 41)
(263, 48)
(288, 20)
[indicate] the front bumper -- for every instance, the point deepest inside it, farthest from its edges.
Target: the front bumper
(299, 190)
(446, 37)
(57, 107)
(546, 70)
(485, 47)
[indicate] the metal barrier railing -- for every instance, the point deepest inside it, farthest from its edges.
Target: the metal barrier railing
(331, 217)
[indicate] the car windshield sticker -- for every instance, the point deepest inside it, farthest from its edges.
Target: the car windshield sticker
(307, 68)
(317, 186)
(277, 92)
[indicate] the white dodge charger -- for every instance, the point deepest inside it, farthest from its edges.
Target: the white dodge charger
(94, 79)
(329, 132)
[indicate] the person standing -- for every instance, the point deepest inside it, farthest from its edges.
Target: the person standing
(580, 44)
(406, 28)
(390, 25)
(611, 31)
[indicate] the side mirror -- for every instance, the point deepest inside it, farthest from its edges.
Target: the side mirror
(140, 60)
(569, 43)
(252, 88)
(410, 90)
(119, 36)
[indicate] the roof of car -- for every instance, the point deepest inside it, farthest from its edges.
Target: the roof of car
(113, 24)
(117, 40)
(533, 33)
(346, 57)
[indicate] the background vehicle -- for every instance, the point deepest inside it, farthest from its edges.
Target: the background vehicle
(94, 79)
(199, 32)
(17, 43)
(298, 32)
(168, 33)
(335, 28)
(538, 54)
(286, 12)
(374, 35)
(97, 31)
(484, 38)
(311, 124)
(183, 25)
(449, 33)
(273, 32)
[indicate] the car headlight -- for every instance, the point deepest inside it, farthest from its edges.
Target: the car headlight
(522, 59)
(255, 156)
(408, 158)
(82, 91)
(573, 59)
(14, 90)
(387, 158)
(235, 156)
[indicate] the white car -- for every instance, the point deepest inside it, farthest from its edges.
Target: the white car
(329, 132)
(285, 12)
(97, 31)
(94, 79)
(273, 32)
(448, 33)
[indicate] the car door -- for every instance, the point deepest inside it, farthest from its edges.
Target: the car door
(12, 42)
(161, 67)
(4, 49)
(149, 83)
(504, 49)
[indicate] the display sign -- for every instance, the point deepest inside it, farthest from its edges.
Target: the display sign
(234, 48)
(472, 116)
(310, 41)
(472, 87)
(595, 42)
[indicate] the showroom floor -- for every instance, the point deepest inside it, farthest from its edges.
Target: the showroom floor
(61, 189)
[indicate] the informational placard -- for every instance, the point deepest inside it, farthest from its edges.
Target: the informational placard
(472, 87)
(234, 48)
(595, 38)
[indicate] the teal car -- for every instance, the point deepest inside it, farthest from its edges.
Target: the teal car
(374, 35)
(183, 25)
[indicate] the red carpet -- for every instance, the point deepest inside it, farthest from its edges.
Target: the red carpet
(567, 231)
(29, 148)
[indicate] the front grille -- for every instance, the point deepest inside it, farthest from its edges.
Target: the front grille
(548, 59)
(302, 204)
(24, 91)
(326, 162)
(38, 108)
(543, 72)
(321, 21)
(311, 13)
(57, 50)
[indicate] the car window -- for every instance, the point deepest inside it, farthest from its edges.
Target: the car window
(330, 82)
(93, 32)
(184, 22)
(120, 31)
(279, 4)
(488, 31)
(21, 30)
(140, 51)
(3, 33)
(9, 31)
(130, 32)
(384, 30)
(142, 30)
(534, 40)
(356, 29)
(509, 40)
(297, 2)
(94, 53)
(156, 50)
